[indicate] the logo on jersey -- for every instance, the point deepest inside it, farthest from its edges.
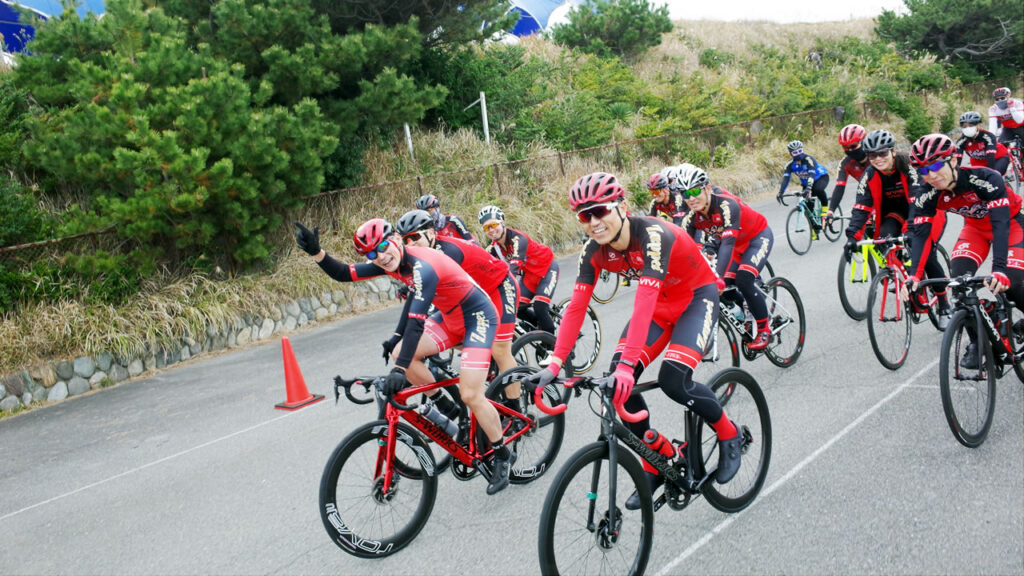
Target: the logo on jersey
(652, 282)
(417, 280)
(509, 288)
(480, 329)
(981, 184)
(761, 254)
(550, 288)
(515, 245)
(704, 338)
(654, 248)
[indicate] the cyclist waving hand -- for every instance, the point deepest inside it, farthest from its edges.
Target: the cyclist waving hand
(676, 308)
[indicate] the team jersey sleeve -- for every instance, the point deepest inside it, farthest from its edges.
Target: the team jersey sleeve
(425, 281)
(730, 210)
(656, 244)
(993, 191)
(462, 229)
(786, 174)
(990, 146)
(343, 272)
(922, 214)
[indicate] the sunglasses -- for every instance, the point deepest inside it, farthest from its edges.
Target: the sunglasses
(491, 226)
(412, 237)
(597, 211)
(882, 154)
(851, 147)
(382, 247)
(1001, 99)
(933, 167)
(693, 192)
(797, 152)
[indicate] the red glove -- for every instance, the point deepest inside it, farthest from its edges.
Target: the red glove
(720, 283)
(1002, 279)
(624, 381)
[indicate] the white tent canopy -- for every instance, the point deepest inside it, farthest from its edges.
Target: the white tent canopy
(540, 15)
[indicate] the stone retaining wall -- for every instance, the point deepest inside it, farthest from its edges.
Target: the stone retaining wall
(61, 379)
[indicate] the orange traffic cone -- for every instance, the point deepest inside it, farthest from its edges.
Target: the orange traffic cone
(298, 396)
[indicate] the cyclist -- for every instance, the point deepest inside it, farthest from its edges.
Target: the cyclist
(676, 307)
(491, 274)
(884, 197)
(980, 145)
(992, 220)
(734, 232)
(813, 177)
(448, 225)
(465, 316)
(665, 203)
(1006, 117)
(530, 261)
(852, 166)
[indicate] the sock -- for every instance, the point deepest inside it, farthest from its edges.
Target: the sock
(762, 326)
(724, 428)
(447, 407)
(501, 452)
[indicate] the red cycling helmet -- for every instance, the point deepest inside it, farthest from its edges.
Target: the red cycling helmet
(1001, 93)
(851, 134)
(371, 233)
(930, 149)
(594, 189)
(657, 181)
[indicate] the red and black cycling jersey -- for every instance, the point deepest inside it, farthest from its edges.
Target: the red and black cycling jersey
(451, 226)
(672, 207)
(983, 149)
(527, 258)
(434, 278)
(668, 265)
(728, 225)
(984, 200)
(884, 195)
(488, 272)
(848, 168)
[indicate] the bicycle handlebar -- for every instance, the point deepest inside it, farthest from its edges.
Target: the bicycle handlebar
(886, 240)
(791, 195)
(365, 382)
(587, 382)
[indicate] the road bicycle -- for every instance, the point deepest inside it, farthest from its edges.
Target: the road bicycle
(997, 328)
(584, 524)
(890, 318)
(606, 287)
(854, 279)
(379, 485)
(803, 223)
(1015, 171)
(588, 343)
(737, 327)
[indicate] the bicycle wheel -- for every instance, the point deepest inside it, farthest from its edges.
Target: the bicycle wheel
(744, 403)
(968, 395)
(798, 231)
(360, 518)
(577, 532)
(933, 312)
(606, 287)
(588, 343)
(854, 282)
(538, 448)
(724, 348)
(834, 231)
(534, 349)
(889, 322)
(787, 321)
(1013, 332)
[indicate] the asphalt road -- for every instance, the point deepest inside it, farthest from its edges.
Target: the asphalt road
(192, 471)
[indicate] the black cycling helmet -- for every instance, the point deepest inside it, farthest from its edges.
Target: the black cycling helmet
(794, 146)
(414, 221)
(971, 117)
(878, 140)
(428, 202)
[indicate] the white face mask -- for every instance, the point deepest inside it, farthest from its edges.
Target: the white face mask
(970, 131)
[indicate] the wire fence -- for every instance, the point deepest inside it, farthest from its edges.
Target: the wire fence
(518, 180)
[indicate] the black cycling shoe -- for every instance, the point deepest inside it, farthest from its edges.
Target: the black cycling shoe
(729, 457)
(653, 482)
(970, 359)
(499, 478)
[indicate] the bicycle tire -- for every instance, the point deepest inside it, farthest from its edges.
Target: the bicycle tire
(588, 343)
(537, 449)
(581, 485)
(724, 349)
(886, 313)
(1015, 336)
(933, 313)
(534, 349)
(606, 287)
(743, 401)
(798, 231)
(344, 491)
(785, 348)
(834, 231)
(854, 283)
(968, 408)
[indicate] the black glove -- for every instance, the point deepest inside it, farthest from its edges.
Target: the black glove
(389, 347)
(849, 249)
(538, 380)
(778, 197)
(395, 382)
(402, 293)
(308, 241)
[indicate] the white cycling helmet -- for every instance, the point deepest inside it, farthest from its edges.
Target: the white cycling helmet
(690, 177)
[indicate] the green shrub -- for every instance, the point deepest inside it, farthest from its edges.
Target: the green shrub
(614, 28)
(714, 58)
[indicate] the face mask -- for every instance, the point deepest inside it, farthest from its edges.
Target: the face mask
(970, 131)
(858, 155)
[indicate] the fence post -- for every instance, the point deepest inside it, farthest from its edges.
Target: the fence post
(668, 153)
(712, 139)
(497, 178)
(330, 210)
(618, 158)
(561, 167)
(419, 184)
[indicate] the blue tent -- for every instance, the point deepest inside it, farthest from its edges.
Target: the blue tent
(535, 14)
(17, 30)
